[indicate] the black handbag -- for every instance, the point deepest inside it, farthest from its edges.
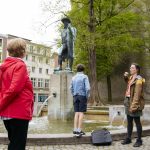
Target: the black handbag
(101, 137)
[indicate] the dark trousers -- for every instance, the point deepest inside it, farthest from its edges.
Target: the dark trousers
(17, 133)
(130, 126)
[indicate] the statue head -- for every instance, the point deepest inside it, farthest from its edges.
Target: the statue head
(66, 22)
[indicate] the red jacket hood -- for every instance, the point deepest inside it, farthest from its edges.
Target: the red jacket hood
(9, 61)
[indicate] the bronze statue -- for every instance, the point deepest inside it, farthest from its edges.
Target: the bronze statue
(66, 51)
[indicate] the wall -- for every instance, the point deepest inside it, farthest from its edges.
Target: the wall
(118, 84)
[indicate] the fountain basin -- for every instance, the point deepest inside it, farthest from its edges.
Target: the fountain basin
(94, 119)
(41, 125)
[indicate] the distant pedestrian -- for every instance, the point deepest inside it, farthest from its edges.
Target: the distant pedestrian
(16, 95)
(80, 89)
(134, 103)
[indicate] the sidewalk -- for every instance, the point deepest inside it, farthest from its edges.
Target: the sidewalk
(114, 146)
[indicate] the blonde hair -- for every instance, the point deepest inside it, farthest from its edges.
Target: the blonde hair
(16, 47)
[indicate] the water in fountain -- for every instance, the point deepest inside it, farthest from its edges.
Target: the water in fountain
(123, 123)
(111, 126)
(41, 125)
(44, 103)
(111, 122)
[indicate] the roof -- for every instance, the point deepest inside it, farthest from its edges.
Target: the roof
(13, 36)
(10, 36)
(40, 44)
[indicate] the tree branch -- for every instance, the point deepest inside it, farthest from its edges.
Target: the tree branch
(99, 22)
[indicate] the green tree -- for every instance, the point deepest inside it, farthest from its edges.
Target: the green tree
(146, 13)
(106, 31)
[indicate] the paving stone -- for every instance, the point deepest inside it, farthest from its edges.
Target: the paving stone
(115, 146)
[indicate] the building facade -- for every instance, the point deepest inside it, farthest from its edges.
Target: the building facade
(38, 62)
(40, 65)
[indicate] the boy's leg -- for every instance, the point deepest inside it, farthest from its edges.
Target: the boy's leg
(82, 109)
(80, 123)
(76, 110)
(76, 118)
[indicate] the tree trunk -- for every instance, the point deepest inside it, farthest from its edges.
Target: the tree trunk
(109, 88)
(95, 98)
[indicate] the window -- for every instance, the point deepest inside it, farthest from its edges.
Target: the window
(34, 82)
(47, 71)
(44, 52)
(47, 52)
(46, 83)
(38, 50)
(40, 83)
(34, 97)
(34, 51)
(1, 43)
(47, 61)
(0, 57)
(33, 69)
(33, 58)
(42, 97)
(40, 70)
(31, 48)
(26, 57)
(40, 59)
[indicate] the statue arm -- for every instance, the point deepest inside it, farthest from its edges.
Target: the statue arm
(72, 31)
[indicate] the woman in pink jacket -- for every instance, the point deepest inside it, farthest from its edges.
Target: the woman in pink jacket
(16, 95)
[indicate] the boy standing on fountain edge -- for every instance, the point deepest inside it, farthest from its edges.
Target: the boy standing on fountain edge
(80, 89)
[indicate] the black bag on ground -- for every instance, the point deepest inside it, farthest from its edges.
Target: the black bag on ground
(101, 137)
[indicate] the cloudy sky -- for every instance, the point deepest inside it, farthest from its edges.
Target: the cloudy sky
(24, 18)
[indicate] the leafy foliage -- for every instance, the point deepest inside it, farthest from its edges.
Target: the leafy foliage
(118, 30)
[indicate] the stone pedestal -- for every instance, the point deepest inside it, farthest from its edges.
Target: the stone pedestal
(60, 107)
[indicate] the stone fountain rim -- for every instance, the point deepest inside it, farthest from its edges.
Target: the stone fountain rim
(69, 139)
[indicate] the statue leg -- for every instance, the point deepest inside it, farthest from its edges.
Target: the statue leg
(60, 62)
(70, 63)
(70, 54)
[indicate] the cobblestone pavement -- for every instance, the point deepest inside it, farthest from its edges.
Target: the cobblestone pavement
(114, 146)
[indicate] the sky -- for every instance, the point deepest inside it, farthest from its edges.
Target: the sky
(24, 18)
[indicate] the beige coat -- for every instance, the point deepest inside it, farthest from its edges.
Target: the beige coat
(137, 101)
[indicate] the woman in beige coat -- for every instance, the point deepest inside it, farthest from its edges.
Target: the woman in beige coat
(134, 103)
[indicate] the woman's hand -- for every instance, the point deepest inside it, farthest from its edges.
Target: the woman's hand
(126, 74)
(126, 77)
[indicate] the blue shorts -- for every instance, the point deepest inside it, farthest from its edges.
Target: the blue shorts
(80, 103)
